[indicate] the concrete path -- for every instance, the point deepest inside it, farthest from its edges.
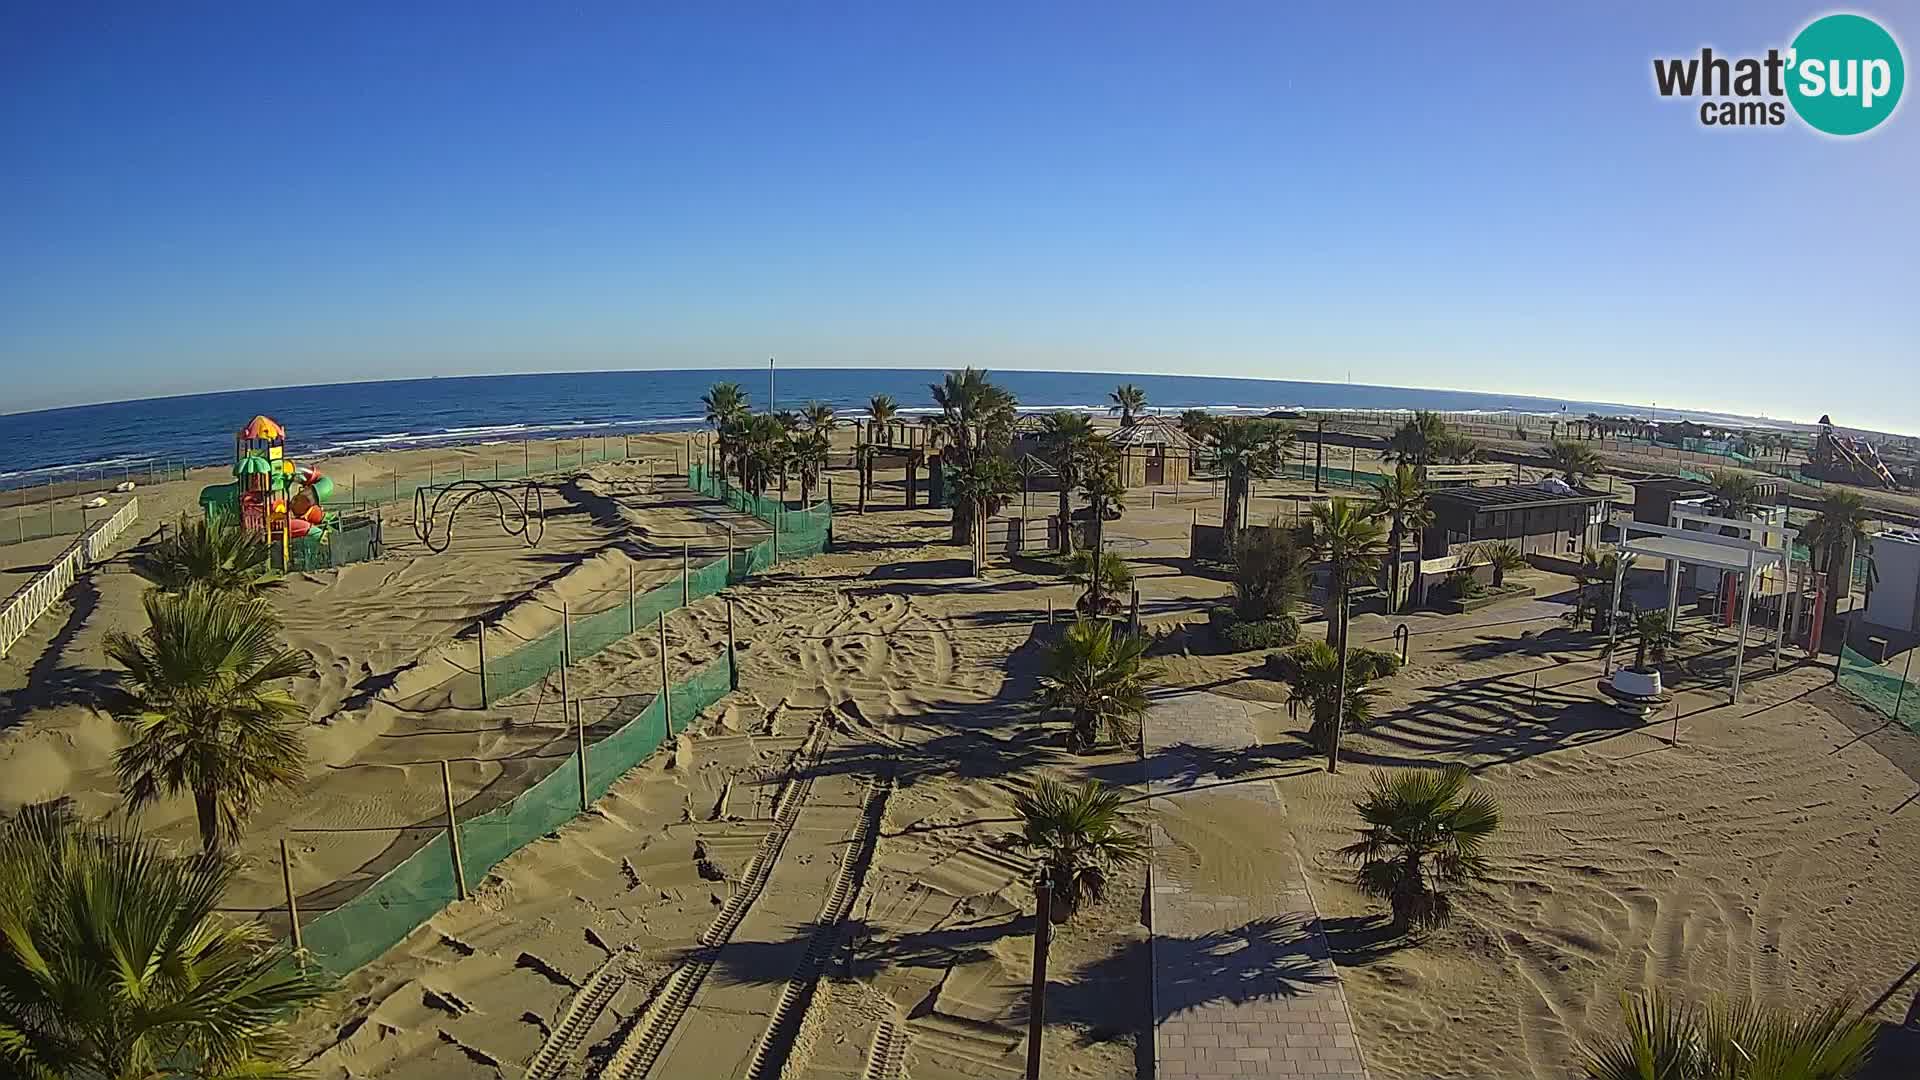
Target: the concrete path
(1243, 985)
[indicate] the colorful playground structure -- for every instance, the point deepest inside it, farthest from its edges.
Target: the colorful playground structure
(285, 503)
(1848, 460)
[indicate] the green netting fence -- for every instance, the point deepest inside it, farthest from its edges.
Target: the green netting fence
(379, 488)
(368, 925)
(1885, 691)
(407, 895)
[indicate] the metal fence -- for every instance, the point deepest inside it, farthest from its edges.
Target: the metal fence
(38, 596)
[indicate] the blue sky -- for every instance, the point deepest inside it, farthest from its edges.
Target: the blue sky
(199, 198)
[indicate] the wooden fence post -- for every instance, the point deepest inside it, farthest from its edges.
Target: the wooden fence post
(293, 908)
(666, 695)
(453, 829)
(733, 655)
(481, 626)
(686, 569)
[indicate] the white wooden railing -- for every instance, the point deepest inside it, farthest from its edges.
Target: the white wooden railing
(38, 596)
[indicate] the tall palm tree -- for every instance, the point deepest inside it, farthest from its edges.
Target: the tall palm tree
(115, 965)
(1735, 494)
(881, 413)
(1197, 424)
(976, 418)
(1402, 500)
(215, 551)
(1424, 831)
(1665, 1039)
(1312, 673)
(1243, 449)
(818, 416)
(1080, 841)
(1833, 536)
(726, 406)
(1573, 460)
(1351, 543)
(762, 450)
(808, 452)
(1099, 678)
(1101, 486)
(1079, 838)
(1129, 401)
(1067, 438)
(202, 709)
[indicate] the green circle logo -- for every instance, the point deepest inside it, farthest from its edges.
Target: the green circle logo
(1845, 74)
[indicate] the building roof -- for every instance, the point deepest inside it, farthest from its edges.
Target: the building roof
(1701, 552)
(1153, 431)
(1509, 496)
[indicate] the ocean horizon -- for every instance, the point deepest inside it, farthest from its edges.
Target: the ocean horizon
(347, 418)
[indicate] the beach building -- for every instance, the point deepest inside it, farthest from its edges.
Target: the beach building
(1154, 451)
(1894, 604)
(1654, 499)
(1547, 518)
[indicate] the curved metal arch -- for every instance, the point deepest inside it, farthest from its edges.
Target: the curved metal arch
(522, 514)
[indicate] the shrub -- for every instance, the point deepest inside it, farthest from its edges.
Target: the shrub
(1266, 573)
(1274, 633)
(1363, 665)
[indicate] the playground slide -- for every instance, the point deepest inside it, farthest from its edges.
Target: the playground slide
(1864, 458)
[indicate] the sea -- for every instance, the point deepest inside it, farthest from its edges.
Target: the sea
(348, 418)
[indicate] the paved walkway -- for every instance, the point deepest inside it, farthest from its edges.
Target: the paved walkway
(1243, 985)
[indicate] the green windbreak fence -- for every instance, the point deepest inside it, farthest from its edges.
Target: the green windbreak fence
(508, 462)
(406, 896)
(1887, 692)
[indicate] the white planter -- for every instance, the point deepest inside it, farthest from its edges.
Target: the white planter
(1637, 683)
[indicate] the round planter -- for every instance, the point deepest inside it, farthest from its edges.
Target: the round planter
(1637, 682)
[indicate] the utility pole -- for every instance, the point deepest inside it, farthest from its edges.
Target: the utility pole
(770, 398)
(1042, 942)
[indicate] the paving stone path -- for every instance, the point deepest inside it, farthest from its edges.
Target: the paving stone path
(1243, 986)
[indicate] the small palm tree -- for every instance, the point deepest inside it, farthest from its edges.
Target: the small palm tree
(1655, 631)
(1424, 831)
(1573, 460)
(818, 416)
(216, 551)
(1665, 1039)
(1593, 589)
(1402, 500)
(1079, 838)
(1068, 441)
(1101, 486)
(1352, 544)
(975, 420)
(114, 963)
(1312, 673)
(1099, 678)
(1198, 424)
(202, 711)
(1104, 587)
(1415, 441)
(1504, 557)
(1129, 401)
(1735, 494)
(807, 450)
(881, 412)
(1834, 535)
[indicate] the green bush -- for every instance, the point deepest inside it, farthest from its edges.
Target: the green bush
(1363, 665)
(1274, 633)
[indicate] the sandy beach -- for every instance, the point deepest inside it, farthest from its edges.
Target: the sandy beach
(848, 811)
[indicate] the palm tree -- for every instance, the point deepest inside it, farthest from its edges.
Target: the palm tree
(215, 551)
(1079, 838)
(1099, 678)
(818, 416)
(1665, 1039)
(1243, 449)
(1312, 673)
(1834, 535)
(976, 419)
(1068, 439)
(1735, 494)
(1414, 442)
(1655, 631)
(115, 965)
(1504, 557)
(1424, 831)
(1593, 585)
(1080, 841)
(1352, 544)
(1198, 424)
(726, 406)
(807, 450)
(762, 442)
(1129, 401)
(1104, 585)
(1402, 500)
(1573, 461)
(202, 711)
(881, 411)
(1101, 486)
